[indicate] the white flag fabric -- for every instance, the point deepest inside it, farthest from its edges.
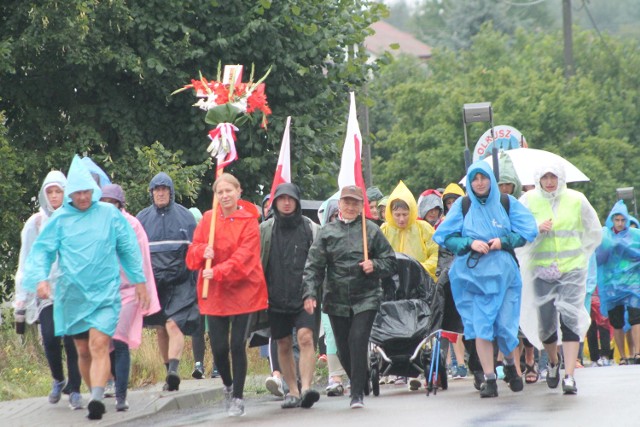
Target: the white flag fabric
(283, 170)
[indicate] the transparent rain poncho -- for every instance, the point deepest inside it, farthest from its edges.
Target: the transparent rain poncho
(618, 259)
(549, 288)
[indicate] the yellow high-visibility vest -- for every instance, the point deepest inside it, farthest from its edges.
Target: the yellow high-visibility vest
(563, 244)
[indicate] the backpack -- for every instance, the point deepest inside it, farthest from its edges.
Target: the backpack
(504, 201)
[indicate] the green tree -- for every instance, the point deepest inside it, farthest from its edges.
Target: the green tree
(95, 77)
(589, 119)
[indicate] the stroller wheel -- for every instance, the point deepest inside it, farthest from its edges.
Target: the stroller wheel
(375, 381)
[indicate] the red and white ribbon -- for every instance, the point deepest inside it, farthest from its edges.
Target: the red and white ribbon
(223, 146)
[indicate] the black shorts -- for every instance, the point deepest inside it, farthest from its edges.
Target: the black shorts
(282, 324)
(81, 336)
(616, 316)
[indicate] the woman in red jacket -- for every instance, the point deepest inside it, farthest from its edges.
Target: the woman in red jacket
(237, 286)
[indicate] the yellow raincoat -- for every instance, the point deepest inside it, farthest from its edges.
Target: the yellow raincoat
(415, 239)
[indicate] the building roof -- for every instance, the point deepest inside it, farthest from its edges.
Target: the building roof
(386, 34)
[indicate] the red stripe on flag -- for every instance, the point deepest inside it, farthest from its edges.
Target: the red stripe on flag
(357, 173)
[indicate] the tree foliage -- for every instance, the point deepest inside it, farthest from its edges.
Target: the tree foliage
(591, 119)
(95, 77)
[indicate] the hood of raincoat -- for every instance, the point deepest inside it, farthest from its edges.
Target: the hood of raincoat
(323, 214)
(558, 170)
(53, 178)
(115, 192)
(80, 179)
(196, 214)
(452, 190)
(428, 200)
(403, 193)
(634, 220)
(162, 179)
(96, 172)
(374, 194)
(618, 209)
(508, 175)
(494, 193)
(290, 190)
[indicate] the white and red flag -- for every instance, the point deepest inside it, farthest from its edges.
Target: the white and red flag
(283, 170)
(351, 163)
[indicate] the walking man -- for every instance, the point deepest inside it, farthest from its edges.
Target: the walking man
(170, 227)
(88, 238)
(285, 240)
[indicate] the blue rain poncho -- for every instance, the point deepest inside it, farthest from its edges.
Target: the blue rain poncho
(88, 245)
(487, 295)
(29, 233)
(619, 263)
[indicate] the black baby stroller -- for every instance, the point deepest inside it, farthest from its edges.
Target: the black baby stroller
(404, 330)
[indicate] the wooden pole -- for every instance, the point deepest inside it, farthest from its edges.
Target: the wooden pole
(212, 234)
(365, 245)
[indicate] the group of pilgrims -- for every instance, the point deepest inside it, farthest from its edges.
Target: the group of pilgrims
(520, 267)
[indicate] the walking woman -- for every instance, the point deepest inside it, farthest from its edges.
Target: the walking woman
(352, 291)
(485, 280)
(237, 286)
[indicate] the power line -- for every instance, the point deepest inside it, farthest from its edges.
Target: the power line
(529, 3)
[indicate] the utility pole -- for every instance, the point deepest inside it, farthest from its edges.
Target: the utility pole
(569, 67)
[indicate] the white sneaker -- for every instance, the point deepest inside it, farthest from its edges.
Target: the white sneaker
(236, 409)
(109, 389)
(384, 380)
(274, 385)
(228, 396)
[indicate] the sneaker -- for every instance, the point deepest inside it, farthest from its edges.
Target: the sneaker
(274, 385)
(228, 395)
(604, 361)
(400, 381)
(384, 380)
(121, 404)
(308, 398)
(489, 388)
(215, 373)
(512, 378)
(96, 410)
(198, 371)
(173, 381)
(414, 384)
(75, 400)
(357, 402)
(569, 385)
(335, 389)
(109, 389)
(553, 375)
(478, 379)
(290, 402)
(236, 408)
(460, 372)
(56, 391)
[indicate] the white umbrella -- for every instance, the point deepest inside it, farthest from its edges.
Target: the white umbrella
(526, 161)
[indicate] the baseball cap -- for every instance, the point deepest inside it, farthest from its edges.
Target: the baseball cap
(351, 191)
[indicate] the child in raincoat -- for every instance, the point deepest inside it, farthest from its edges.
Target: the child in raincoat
(485, 280)
(619, 276)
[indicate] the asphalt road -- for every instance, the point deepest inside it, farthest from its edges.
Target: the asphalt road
(606, 396)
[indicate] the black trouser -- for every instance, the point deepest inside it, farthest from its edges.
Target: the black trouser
(352, 340)
(120, 367)
(602, 332)
(53, 350)
(219, 337)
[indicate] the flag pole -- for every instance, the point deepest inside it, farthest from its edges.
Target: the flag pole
(365, 245)
(212, 234)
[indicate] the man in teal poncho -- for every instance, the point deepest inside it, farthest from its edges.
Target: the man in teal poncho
(87, 237)
(618, 259)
